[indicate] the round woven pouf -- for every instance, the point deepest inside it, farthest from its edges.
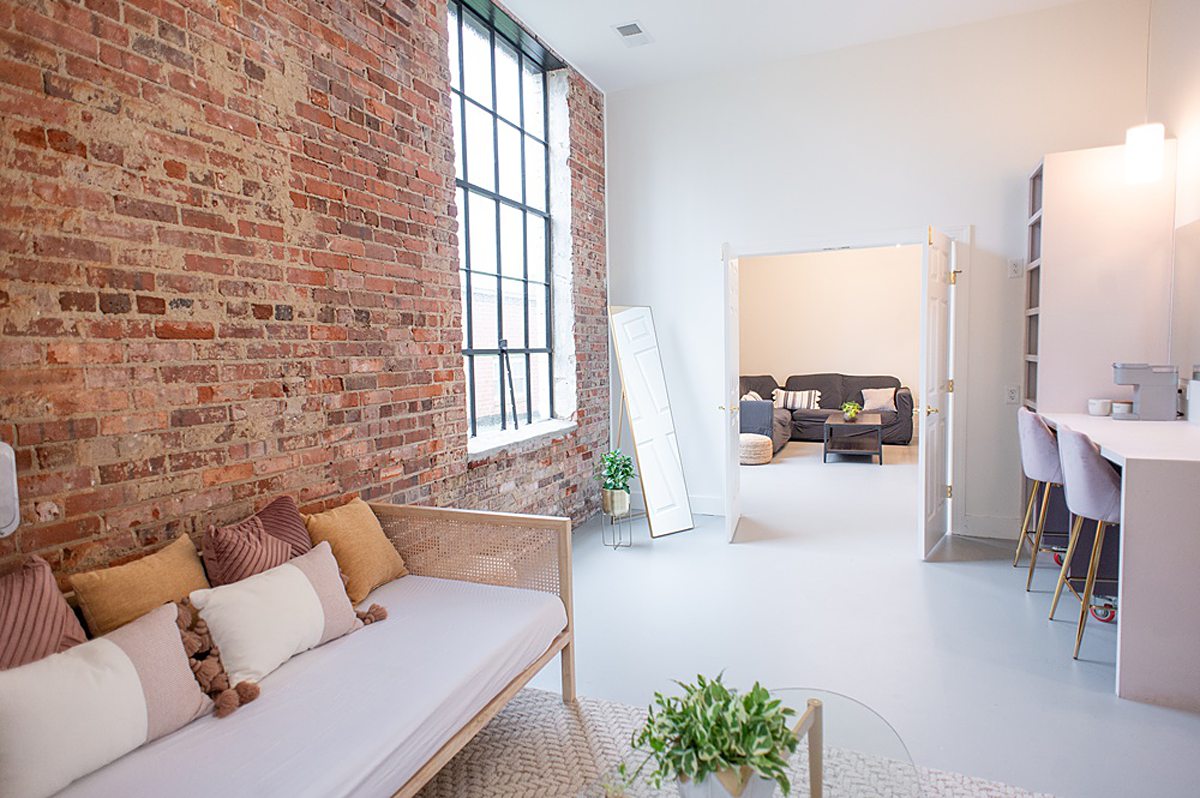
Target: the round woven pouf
(754, 449)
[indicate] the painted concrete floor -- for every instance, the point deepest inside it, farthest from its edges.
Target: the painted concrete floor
(823, 588)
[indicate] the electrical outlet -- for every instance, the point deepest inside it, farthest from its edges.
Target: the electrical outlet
(1016, 267)
(1012, 394)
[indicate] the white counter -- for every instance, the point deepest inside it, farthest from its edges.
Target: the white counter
(1158, 623)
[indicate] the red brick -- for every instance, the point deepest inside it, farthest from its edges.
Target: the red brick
(184, 329)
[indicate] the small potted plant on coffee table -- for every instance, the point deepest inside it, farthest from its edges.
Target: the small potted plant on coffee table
(616, 469)
(850, 410)
(716, 741)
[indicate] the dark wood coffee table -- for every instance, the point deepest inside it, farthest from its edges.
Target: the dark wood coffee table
(863, 436)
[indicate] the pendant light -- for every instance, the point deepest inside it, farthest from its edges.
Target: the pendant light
(1145, 143)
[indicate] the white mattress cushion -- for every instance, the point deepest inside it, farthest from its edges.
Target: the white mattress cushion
(359, 715)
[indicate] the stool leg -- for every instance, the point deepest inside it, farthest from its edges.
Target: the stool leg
(1025, 524)
(1037, 538)
(1093, 566)
(1062, 575)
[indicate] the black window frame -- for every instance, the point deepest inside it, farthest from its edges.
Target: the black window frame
(529, 53)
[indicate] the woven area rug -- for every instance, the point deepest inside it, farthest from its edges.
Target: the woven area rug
(537, 747)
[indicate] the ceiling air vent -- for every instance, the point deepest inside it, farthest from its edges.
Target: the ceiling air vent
(633, 34)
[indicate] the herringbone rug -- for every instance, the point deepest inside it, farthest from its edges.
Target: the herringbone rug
(539, 748)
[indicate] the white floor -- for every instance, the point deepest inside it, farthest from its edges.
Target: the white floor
(824, 589)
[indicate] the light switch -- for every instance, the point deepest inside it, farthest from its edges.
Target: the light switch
(10, 508)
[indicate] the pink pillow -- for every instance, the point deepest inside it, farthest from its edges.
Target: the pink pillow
(270, 537)
(35, 619)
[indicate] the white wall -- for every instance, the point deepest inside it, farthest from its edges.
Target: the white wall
(850, 311)
(938, 128)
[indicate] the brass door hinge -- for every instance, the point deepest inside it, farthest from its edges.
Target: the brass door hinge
(949, 491)
(950, 386)
(954, 276)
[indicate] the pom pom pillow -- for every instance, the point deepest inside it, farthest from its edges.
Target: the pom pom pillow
(71, 713)
(263, 621)
(270, 537)
(35, 619)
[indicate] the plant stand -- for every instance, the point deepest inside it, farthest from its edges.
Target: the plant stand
(616, 531)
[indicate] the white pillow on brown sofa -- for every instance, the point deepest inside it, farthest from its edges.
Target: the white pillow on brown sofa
(878, 400)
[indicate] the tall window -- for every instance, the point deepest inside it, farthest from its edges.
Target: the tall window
(501, 162)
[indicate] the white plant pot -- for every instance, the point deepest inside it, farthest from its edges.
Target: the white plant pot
(757, 787)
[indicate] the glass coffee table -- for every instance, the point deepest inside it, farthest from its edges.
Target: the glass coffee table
(862, 756)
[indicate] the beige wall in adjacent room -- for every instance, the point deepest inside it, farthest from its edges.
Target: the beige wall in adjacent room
(851, 311)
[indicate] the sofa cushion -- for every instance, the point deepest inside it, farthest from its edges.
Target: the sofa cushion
(830, 386)
(64, 716)
(263, 621)
(112, 597)
(363, 552)
(35, 619)
(853, 385)
(763, 385)
(360, 715)
(270, 537)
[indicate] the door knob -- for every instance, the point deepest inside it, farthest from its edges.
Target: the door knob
(931, 410)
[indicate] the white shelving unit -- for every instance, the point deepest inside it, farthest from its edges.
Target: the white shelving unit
(1098, 276)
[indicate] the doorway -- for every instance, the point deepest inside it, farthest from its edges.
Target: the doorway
(820, 326)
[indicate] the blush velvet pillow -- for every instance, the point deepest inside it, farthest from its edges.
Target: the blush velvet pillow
(71, 713)
(35, 619)
(270, 537)
(264, 620)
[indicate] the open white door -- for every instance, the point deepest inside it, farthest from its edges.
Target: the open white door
(933, 400)
(732, 406)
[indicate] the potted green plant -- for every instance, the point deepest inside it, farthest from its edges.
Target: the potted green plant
(716, 741)
(850, 410)
(616, 469)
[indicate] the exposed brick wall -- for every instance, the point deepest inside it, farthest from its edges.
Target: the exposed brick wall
(228, 270)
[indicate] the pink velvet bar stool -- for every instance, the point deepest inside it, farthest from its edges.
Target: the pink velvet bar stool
(1041, 463)
(1093, 491)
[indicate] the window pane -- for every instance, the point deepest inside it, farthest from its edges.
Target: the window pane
(460, 208)
(452, 25)
(539, 380)
(519, 392)
(536, 243)
(477, 60)
(456, 113)
(481, 235)
(535, 174)
(537, 315)
(514, 313)
(533, 89)
(487, 393)
(483, 312)
(512, 248)
(509, 141)
(508, 88)
(481, 153)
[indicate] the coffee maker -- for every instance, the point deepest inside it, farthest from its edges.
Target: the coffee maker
(1155, 390)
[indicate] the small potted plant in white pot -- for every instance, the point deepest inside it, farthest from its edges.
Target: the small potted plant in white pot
(717, 742)
(616, 470)
(850, 410)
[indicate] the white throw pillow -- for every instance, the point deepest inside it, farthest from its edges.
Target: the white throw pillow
(797, 400)
(751, 396)
(74, 712)
(879, 399)
(263, 621)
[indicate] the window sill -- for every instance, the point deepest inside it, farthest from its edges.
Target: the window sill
(485, 446)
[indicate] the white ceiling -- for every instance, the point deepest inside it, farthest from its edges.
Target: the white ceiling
(694, 37)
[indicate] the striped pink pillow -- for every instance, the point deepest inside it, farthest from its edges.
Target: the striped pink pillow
(270, 537)
(35, 619)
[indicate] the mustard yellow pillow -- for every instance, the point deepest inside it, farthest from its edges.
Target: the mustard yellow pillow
(112, 597)
(364, 554)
